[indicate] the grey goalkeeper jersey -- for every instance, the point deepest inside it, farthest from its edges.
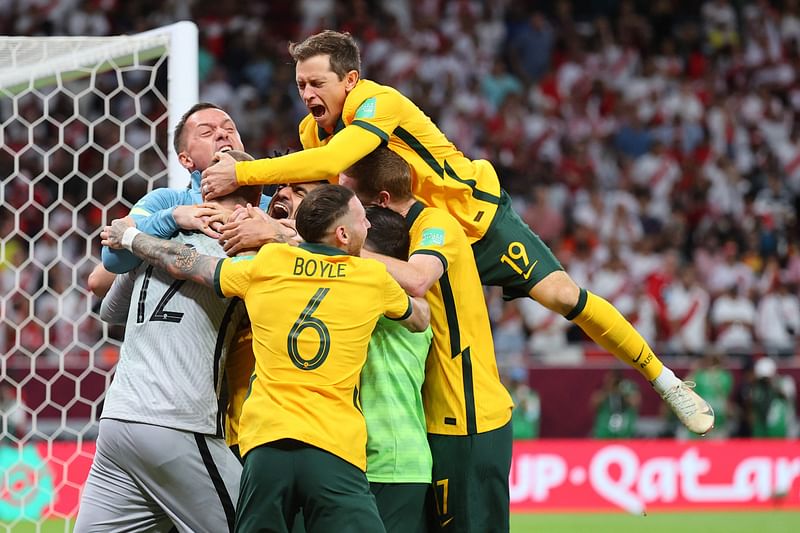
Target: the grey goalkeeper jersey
(177, 333)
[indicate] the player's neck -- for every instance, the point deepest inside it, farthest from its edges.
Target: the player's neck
(403, 206)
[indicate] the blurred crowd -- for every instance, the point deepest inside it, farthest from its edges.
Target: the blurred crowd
(655, 146)
(760, 404)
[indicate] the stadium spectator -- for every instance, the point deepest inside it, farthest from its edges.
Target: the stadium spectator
(714, 381)
(771, 408)
(733, 318)
(527, 414)
(777, 322)
(688, 305)
(616, 407)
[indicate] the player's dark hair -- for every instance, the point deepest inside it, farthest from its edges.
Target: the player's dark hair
(177, 138)
(387, 234)
(341, 47)
(320, 210)
(382, 170)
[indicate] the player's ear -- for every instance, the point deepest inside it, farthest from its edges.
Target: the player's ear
(350, 80)
(341, 235)
(384, 198)
(185, 161)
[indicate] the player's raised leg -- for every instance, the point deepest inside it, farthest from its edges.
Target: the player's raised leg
(512, 256)
(606, 326)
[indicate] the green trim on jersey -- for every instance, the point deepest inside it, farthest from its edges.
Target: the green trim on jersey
(323, 249)
(413, 213)
(435, 254)
(217, 286)
(372, 129)
(442, 171)
(455, 350)
(407, 314)
(322, 134)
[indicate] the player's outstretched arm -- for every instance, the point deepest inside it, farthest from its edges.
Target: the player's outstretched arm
(416, 275)
(153, 214)
(313, 164)
(180, 261)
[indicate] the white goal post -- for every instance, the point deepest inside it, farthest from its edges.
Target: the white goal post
(85, 130)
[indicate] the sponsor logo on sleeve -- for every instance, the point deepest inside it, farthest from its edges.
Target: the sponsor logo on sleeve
(433, 237)
(366, 109)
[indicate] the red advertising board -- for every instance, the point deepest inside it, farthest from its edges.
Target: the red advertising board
(43, 479)
(546, 475)
(636, 475)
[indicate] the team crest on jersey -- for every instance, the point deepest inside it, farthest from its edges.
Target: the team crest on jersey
(433, 237)
(366, 109)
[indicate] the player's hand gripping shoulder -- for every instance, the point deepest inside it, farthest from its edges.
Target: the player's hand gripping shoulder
(180, 261)
(249, 228)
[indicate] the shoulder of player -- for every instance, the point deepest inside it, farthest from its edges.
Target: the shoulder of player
(431, 217)
(307, 124)
(165, 196)
(364, 90)
(202, 242)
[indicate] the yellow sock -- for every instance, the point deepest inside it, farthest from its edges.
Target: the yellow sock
(609, 329)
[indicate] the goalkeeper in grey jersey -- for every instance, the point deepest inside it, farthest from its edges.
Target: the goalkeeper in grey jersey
(161, 461)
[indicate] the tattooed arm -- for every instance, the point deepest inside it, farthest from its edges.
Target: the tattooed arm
(180, 261)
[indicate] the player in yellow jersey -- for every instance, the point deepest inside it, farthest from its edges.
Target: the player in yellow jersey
(467, 408)
(302, 434)
(249, 234)
(349, 117)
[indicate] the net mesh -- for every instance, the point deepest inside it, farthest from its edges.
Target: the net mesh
(83, 134)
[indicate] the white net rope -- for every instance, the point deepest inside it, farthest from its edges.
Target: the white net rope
(83, 134)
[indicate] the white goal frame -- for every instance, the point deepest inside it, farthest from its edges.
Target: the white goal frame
(183, 88)
(45, 450)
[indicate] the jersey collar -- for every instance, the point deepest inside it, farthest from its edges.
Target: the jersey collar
(196, 176)
(413, 213)
(322, 249)
(322, 134)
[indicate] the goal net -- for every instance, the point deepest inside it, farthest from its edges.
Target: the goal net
(85, 131)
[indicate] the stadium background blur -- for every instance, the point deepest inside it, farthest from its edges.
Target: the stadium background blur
(645, 142)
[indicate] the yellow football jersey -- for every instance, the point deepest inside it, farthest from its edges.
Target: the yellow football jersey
(312, 311)
(238, 369)
(462, 393)
(442, 176)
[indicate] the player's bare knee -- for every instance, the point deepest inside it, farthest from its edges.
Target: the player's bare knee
(556, 292)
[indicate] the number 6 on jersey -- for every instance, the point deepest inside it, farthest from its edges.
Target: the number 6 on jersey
(306, 320)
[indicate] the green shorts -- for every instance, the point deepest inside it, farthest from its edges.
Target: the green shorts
(402, 506)
(470, 481)
(283, 476)
(511, 255)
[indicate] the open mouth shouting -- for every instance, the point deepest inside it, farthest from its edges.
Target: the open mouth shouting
(317, 110)
(279, 208)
